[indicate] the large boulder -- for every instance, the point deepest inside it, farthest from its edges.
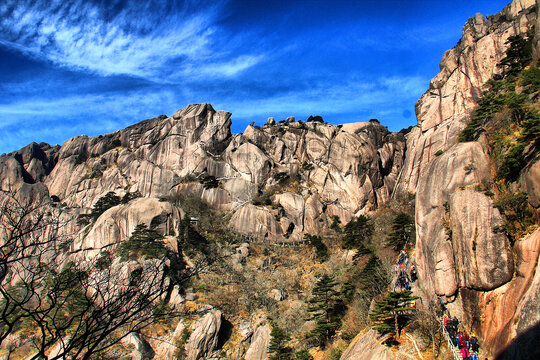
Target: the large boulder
(204, 337)
(465, 164)
(367, 346)
(117, 223)
(258, 349)
(483, 257)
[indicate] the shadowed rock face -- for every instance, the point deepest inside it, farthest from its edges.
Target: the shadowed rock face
(30, 164)
(312, 170)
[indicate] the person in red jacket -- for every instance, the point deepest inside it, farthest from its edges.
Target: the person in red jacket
(464, 353)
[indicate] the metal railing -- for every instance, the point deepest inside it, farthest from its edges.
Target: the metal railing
(449, 341)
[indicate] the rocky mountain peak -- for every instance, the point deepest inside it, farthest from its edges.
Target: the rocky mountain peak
(445, 108)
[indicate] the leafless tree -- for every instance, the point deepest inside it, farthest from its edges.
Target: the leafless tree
(428, 325)
(78, 307)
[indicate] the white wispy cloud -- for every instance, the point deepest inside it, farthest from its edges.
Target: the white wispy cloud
(56, 120)
(136, 41)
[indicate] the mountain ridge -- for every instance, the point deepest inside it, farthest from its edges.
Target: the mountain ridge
(284, 180)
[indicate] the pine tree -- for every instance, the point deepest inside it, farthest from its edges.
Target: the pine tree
(373, 278)
(357, 233)
(518, 55)
(326, 307)
(320, 248)
(392, 310)
(402, 230)
(143, 242)
(104, 203)
(278, 349)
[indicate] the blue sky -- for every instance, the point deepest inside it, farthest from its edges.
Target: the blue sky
(91, 67)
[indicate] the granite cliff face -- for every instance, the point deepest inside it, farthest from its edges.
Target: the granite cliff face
(283, 180)
(461, 258)
(445, 108)
(309, 171)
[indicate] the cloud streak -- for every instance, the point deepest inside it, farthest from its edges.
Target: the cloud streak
(136, 41)
(56, 120)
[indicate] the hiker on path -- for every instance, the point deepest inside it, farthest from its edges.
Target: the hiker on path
(413, 273)
(464, 353)
(474, 343)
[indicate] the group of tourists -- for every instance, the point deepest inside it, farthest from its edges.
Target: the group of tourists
(403, 280)
(467, 344)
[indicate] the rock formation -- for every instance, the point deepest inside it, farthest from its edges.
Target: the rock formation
(205, 336)
(258, 350)
(367, 346)
(445, 108)
(461, 258)
(310, 171)
(288, 178)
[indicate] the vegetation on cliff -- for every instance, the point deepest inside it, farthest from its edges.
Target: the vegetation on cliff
(508, 117)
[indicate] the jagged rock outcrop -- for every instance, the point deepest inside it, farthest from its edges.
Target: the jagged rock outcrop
(367, 346)
(141, 349)
(31, 164)
(204, 338)
(461, 258)
(316, 170)
(258, 350)
(311, 171)
(444, 110)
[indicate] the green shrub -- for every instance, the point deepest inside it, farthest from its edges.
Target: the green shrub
(320, 248)
(335, 354)
(531, 77)
(335, 223)
(144, 242)
(104, 260)
(518, 216)
(81, 158)
(209, 182)
(439, 153)
(303, 355)
(180, 352)
(130, 196)
(357, 233)
(513, 162)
